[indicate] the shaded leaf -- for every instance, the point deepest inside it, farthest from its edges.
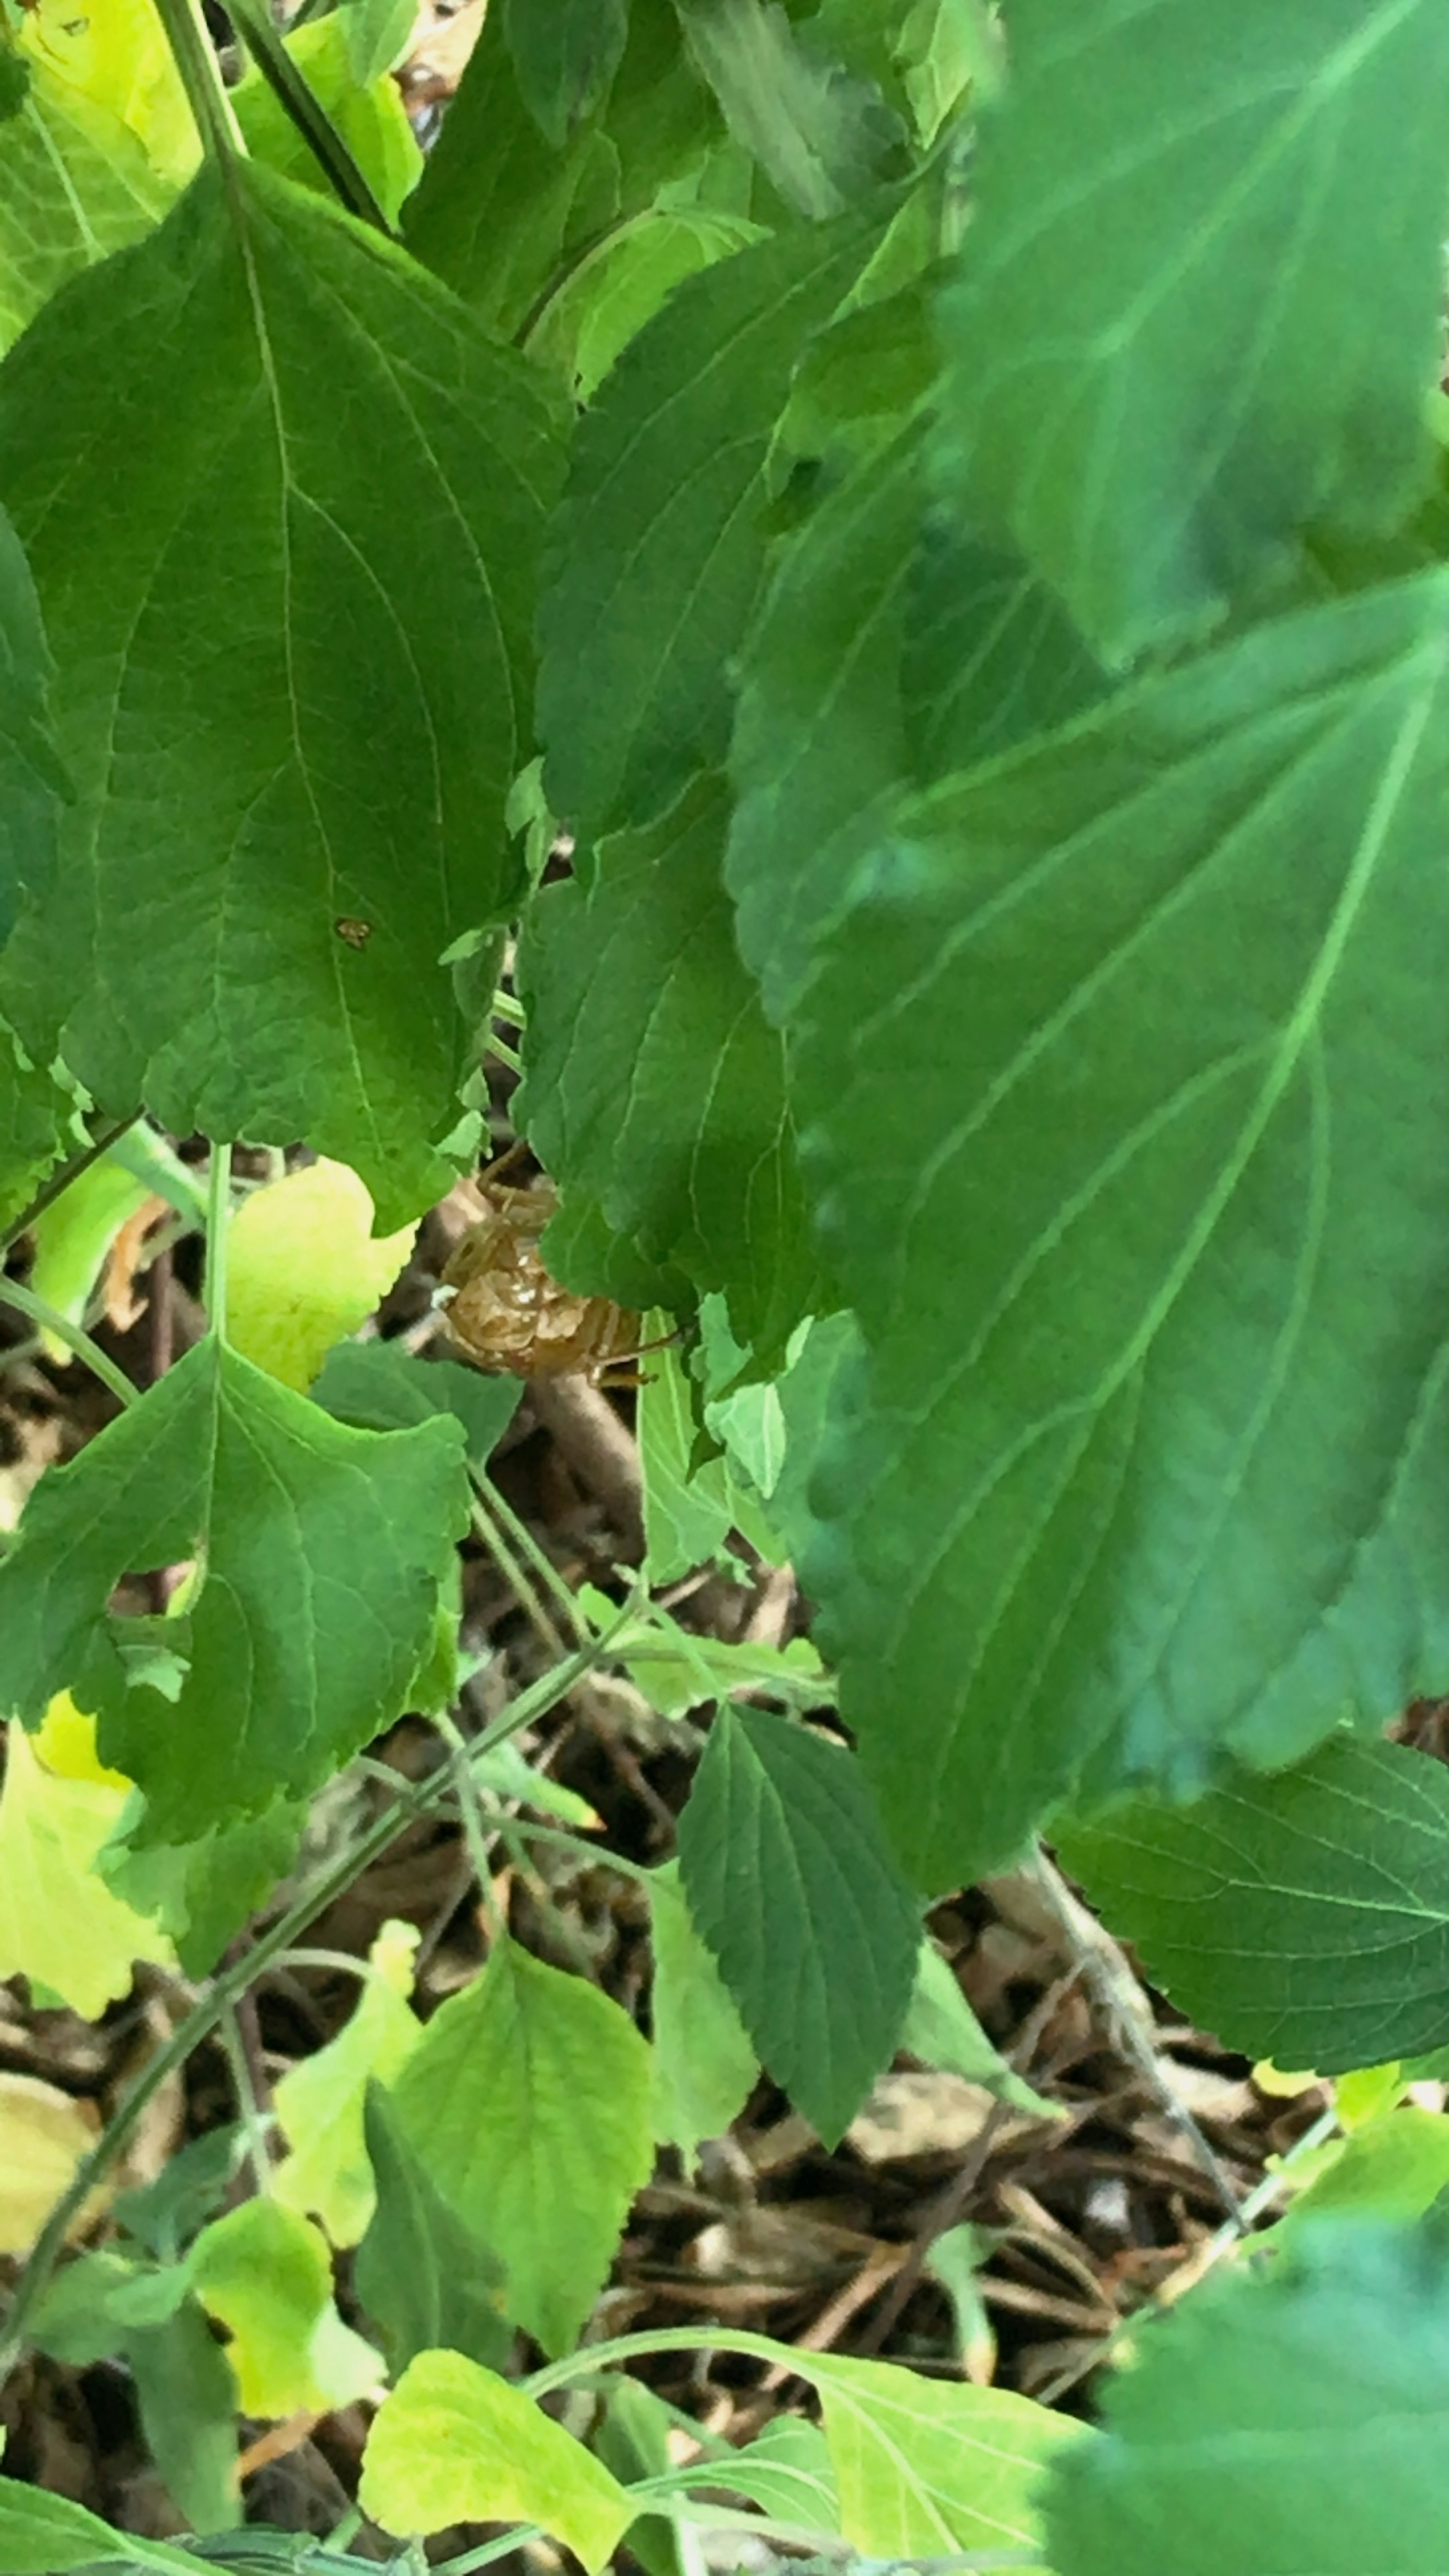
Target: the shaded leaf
(822, 137)
(941, 2029)
(32, 782)
(704, 2061)
(787, 1877)
(381, 1386)
(187, 2395)
(565, 54)
(689, 1510)
(1149, 388)
(454, 2443)
(422, 2277)
(1272, 2421)
(620, 282)
(528, 2105)
(1304, 1917)
(228, 819)
(324, 1553)
(1157, 1004)
(265, 2274)
(203, 1891)
(631, 981)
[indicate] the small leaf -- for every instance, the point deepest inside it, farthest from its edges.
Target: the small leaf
(822, 137)
(787, 2472)
(265, 2274)
(369, 114)
(78, 185)
(1272, 2421)
(704, 2062)
(303, 1269)
(202, 1892)
(565, 54)
(380, 1386)
(59, 1922)
(74, 1238)
(528, 2105)
(631, 981)
(925, 2469)
(324, 1550)
(47, 2535)
(43, 2136)
(1086, 405)
(454, 2443)
(118, 61)
(942, 2030)
(1303, 1917)
(319, 2101)
(423, 2278)
(1393, 2167)
(187, 2395)
(620, 283)
(787, 1876)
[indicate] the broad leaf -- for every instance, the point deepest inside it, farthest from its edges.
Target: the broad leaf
(565, 54)
(632, 981)
(268, 856)
(657, 552)
(1151, 388)
(380, 1386)
(46, 2535)
(1276, 2422)
(264, 2273)
(319, 2101)
(822, 137)
(32, 782)
(1393, 2167)
(422, 2277)
(59, 1922)
(33, 1127)
(1144, 1449)
(787, 1876)
(324, 1550)
(1303, 1918)
(75, 185)
(925, 2469)
(620, 282)
(454, 2443)
(204, 1890)
(704, 2062)
(941, 2029)
(303, 1268)
(528, 2105)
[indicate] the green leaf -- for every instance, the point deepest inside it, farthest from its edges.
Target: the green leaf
(32, 782)
(787, 2472)
(203, 1891)
(565, 54)
(1303, 1918)
(657, 552)
(378, 32)
(380, 1386)
(822, 138)
(528, 2105)
(265, 2274)
(165, 2214)
(1149, 387)
(504, 223)
(925, 2469)
(704, 2061)
(228, 820)
(324, 1550)
(422, 2277)
(73, 1239)
(187, 2395)
(46, 2535)
(34, 1122)
(1290, 2419)
(319, 2101)
(1393, 2167)
(303, 1267)
(787, 1877)
(367, 112)
(59, 1921)
(941, 2029)
(454, 2443)
(1126, 1356)
(632, 982)
(689, 1511)
(75, 185)
(620, 282)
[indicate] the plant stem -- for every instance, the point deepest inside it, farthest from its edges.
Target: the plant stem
(473, 1832)
(521, 1537)
(194, 55)
(60, 1181)
(249, 2108)
(233, 1981)
(486, 1529)
(75, 1338)
(218, 1219)
(300, 104)
(562, 1840)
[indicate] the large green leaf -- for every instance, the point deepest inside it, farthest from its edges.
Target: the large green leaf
(423, 2278)
(634, 986)
(788, 1879)
(1147, 1458)
(925, 2470)
(565, 54)
(657, 552)
(1198, 308)
(260, 431)
(529, 2106)
(75, 184)
(1303, 1918)
(322, 1551)
(1275, 2423)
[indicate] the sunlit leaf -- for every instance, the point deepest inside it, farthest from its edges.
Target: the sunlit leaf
(704, 2061)
(59, 1921)
(264, 2274)
(319, 2101)
(303, 1269)
(454, 2443)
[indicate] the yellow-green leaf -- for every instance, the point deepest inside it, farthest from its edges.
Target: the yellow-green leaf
(925, 2468)
(116, 57)
(265, 2273)
(320, 2101)
(303, 1270)
(43, 2136)
(704, 2060)
(59, 1922)
(455, 2443)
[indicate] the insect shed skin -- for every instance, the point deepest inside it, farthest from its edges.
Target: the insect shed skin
(506, 1312)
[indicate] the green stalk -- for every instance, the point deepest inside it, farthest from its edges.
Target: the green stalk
(218, 1220)
(60, 1181)
(300, 104)
(40, 1311)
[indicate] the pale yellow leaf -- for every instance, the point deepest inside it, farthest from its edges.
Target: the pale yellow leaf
(455, 2443)
(115, 54)
(43, 2136)
(319, 2101)
(266, 2274)
(303, 1270)
(59, 1922)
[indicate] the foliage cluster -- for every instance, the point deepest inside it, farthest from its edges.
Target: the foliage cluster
(952, 522)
